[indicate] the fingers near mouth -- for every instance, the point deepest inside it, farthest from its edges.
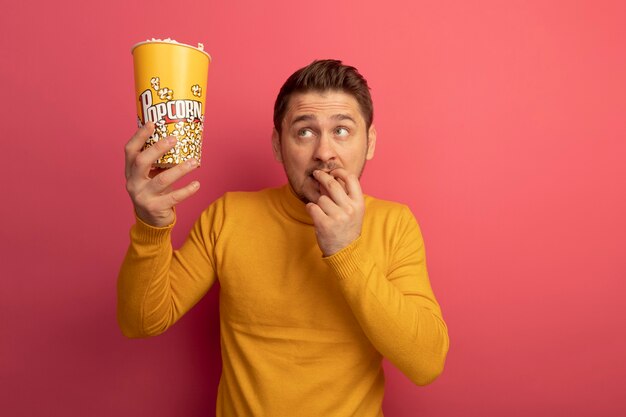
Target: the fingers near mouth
(322, 188)
(342, 183)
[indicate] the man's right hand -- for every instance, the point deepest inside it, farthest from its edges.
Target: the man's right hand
(151, 189)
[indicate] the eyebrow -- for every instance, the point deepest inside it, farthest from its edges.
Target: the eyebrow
(309, 117)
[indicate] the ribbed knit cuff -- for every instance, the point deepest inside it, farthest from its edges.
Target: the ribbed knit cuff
(143, 232)
(348, 260)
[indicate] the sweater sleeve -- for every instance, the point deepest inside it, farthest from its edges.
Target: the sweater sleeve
(158, 285)
(396, 308)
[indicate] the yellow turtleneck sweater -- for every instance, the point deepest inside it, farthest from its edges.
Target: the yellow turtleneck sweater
(301, 335)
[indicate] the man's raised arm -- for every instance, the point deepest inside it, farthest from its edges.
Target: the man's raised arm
(157, 285)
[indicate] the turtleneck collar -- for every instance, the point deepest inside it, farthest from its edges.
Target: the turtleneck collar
(293, 206)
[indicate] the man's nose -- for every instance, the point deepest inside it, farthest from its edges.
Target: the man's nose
(324, 150)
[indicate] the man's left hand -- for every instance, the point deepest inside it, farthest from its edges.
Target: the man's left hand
(338, 213)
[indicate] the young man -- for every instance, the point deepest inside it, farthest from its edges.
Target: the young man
(317, 281)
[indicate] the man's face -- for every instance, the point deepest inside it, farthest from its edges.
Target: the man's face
(322, 130)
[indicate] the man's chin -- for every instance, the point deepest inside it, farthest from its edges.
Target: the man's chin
(309, 196)
(309, 192)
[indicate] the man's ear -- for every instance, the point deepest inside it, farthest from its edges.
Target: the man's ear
(371, 142)
(276, 146)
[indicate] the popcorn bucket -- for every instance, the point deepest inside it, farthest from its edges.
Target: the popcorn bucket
(170, 85)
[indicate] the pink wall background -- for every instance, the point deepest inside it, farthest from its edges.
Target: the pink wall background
(500, 123)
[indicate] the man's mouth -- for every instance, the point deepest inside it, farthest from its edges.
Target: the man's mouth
(315, 181)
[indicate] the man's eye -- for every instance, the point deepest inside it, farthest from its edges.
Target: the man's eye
(342, 131)
(305, 133)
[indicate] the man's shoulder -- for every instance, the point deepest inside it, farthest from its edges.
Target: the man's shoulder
(238, 207)
(387, 206)
(390, 218)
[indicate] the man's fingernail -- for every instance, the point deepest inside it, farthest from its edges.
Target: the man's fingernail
(171, 140)
(192, 162)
